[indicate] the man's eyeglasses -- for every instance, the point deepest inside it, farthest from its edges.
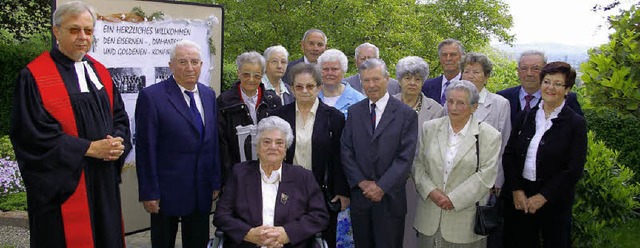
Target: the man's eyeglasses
(76, 30)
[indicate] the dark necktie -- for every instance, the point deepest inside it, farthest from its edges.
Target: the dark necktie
(443, 98)
(197, 118)
(373, 117)
(528, 99)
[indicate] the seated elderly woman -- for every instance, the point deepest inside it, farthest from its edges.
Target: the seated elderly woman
(268, 202)
(336, 92)
(492, 108)
(412, 71)
(245, 103)
(543, 161)
(454, 168)
(277, 59)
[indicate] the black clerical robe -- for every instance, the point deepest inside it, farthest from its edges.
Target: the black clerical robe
(53, 162)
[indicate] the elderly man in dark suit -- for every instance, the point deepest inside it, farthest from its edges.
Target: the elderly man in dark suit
(450, 52)
(378, 147)
(363, 52)
(313, 44)
(527, 95)
(177, 151)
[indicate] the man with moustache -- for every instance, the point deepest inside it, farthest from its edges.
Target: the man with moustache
(313, 44)
(450, 52)
(70, 133)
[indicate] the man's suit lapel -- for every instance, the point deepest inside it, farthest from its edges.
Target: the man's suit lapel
(208, 108)
(387, 116)
(177, 100)
(361, 113)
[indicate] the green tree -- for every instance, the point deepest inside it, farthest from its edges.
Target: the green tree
(612, 73)
(21, 19)
(398, 27)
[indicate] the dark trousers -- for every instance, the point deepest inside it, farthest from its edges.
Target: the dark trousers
(551, 223)
(195, 230)
(373, 226)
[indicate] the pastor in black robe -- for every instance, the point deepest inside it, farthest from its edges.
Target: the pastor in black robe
(51, 161)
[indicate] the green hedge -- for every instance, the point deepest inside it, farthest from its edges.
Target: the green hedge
(620, 133)
(604, 197)
(13, 58)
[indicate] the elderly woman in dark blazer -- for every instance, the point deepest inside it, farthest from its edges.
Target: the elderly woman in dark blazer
(269, 202)
(245, 103)
(543, 161)
(317, 129)
(411, 72)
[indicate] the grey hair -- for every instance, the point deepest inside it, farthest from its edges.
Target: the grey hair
(74, 8)
(531, 53)
(310, 31)
(275, 49)
(333, 55)
(275, 123)
(183, 43)
(467, 86)
(450, 41)
(252, 57)
(412, 65)
(373, 63)
(368, 45)
(302, 68)
(483, 60)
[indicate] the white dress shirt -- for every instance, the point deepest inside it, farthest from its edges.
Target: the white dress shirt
(381, 104)
(453, 144)
(197, 99)
(269, 194)
(251, 102)
(523, 103)
(542, 125)
(445, 80)
(304, 131)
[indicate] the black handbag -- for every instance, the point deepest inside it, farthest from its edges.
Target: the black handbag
(488, 218)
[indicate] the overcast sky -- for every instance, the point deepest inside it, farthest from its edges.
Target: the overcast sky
(569, 22)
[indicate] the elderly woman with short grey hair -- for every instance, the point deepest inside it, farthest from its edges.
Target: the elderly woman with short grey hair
(276, 58)
(336, 92)
(411, 72)
(268, 202)
(245, 103)
(454, 168)
(492, 108)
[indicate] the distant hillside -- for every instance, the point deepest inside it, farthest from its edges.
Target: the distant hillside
(573, 55)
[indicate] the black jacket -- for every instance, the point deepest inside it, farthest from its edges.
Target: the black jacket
(560, 158)
(232, 112)
(325, 145)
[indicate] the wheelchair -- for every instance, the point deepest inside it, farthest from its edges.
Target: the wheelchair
(218, 240)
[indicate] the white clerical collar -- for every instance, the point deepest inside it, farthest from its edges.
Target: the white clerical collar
(82, 78)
